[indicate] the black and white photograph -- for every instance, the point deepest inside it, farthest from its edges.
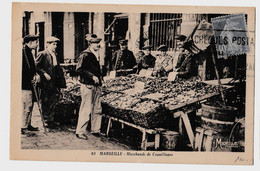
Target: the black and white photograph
(127, 83)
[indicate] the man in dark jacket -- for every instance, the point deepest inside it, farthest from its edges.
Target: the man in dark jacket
(29, 77)
(179, 50)
(123, 58)
(52, 79)
(89, 71)
(187, 65)
(146, 61)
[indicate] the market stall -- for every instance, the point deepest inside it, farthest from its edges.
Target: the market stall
(156, 102)
(149, 103)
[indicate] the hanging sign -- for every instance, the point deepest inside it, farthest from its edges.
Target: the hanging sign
(203, 34)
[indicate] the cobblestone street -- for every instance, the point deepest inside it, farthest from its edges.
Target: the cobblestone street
(63, 138)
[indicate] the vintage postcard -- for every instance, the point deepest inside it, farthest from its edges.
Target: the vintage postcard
(132, 83)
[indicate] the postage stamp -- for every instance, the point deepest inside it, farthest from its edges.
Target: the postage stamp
(230, 35)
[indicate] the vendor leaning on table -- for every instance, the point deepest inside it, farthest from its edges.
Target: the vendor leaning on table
(184, 62)
(179, 50)
(123, 58)
(147, 61)
(89, 71)
(163, 63)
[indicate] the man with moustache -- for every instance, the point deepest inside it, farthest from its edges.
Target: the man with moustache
(184, 61)
(178, 50)
(147, 61)
(89, 71)
(123, 58)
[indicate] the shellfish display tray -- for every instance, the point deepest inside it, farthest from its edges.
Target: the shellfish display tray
(147, 108)
(170, 94)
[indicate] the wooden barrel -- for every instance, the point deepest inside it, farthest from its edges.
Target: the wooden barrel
(218, 118)
(169, 140)
(216, 125)
(227, 113)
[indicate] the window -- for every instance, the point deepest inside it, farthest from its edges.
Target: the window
(163, 28)
(26, 18)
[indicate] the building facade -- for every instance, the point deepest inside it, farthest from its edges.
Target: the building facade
(139, 29)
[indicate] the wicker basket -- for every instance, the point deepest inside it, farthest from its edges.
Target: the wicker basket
(123, 114)
(152, 119)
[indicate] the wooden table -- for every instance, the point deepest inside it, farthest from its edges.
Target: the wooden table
(144, 144)
(182, 111)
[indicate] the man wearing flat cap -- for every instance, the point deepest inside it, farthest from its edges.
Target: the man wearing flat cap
(180, 39)
(29, 77)
(147, 61)
(123, 58)
(52, 79)
(89, 71)
(163, 63)
(184, 62)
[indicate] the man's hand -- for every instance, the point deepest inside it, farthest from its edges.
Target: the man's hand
(36, 79)
(154, 73)
(96, 80)
(145, 65)
(176, 69)
(47, 76)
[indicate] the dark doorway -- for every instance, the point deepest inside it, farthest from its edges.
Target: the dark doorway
(120, 27)
(116, 26)
(57, 31)
(39, 30)
(81, 29)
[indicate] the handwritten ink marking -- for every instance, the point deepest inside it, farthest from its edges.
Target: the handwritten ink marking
(240, 159)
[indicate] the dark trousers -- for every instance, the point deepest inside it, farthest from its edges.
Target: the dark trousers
(49, 100)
